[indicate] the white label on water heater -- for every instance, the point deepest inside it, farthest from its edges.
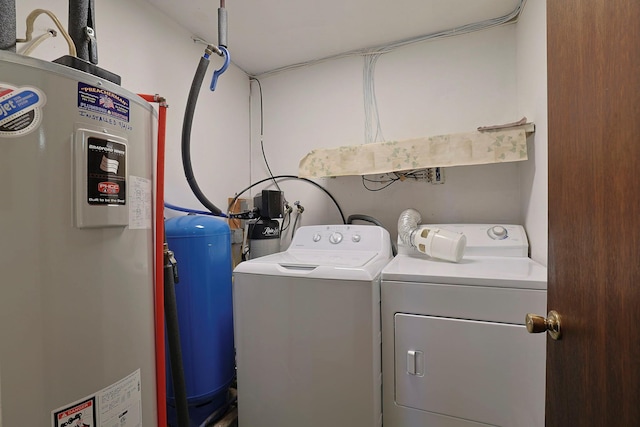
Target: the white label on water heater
(140, 208)
(118, 405)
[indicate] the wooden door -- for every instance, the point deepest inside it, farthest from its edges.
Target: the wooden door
(593, 373)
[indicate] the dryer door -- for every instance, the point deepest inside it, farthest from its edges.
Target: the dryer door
(485, 372)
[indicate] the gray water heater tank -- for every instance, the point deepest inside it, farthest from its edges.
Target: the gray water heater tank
(76, 295)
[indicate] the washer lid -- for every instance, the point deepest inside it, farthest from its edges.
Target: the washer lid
(315, 258)
(507, 272)
(343, 251)
(322, 264)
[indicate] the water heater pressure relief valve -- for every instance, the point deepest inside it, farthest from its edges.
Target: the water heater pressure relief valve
(435, 242)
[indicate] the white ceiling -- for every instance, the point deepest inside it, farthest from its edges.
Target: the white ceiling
(266, 35)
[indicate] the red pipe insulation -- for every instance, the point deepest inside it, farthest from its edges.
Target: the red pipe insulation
(161, 379)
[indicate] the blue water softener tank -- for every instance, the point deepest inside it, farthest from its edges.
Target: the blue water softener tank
(202, 248)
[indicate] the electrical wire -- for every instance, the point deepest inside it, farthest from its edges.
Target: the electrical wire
(344, 220)
(370, 101)
(372, 124)
(38, 41)
(372, 117)
(29, 32)
(264, 156)
(388, 183)
(463, 29)
(371, 56)
(393, 177)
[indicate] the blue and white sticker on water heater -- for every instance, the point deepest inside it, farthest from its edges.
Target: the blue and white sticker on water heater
(102, 101)
(20, 109)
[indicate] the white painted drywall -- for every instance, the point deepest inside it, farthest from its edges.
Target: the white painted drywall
(532, 102)
(432, 88)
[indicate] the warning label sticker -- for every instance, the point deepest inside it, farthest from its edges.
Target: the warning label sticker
(80, 414)
(118, 405)
(98, 100)
(20, 110)
(106, 172)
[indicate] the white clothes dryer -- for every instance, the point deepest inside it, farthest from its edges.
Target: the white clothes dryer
(455, 350)
(307, 330)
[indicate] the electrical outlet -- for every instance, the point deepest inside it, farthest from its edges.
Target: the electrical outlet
(431, 175)
(436, 175)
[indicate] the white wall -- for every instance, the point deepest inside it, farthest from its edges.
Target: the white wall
(532, 102)
(153, 55)
(432, 88)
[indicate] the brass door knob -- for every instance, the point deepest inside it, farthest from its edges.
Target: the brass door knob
(537, 324)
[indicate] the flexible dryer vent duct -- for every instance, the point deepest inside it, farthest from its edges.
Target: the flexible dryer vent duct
(435, 242)
(8, 25)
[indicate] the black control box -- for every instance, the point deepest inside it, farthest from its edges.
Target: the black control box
(270, 204)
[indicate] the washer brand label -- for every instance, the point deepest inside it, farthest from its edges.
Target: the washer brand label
(20, 110)
(102, 101)
(106, 172)
(270, 232)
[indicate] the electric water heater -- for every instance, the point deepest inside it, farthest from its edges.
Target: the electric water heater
(76, 265)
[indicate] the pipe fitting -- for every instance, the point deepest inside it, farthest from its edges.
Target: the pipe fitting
(211, 49)
(162, 101)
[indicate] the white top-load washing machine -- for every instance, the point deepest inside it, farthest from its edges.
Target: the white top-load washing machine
(307, 330)
(456, 352)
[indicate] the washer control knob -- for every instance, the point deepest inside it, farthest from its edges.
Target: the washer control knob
(335, 237)
(355, 238)
(498, 232)
(317, 237)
